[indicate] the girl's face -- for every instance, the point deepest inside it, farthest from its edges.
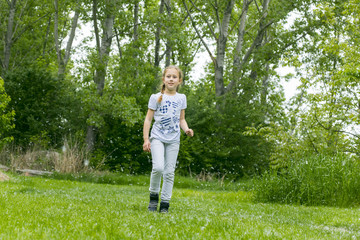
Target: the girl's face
(171, 79)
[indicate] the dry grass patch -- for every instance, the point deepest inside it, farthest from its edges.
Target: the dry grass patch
(3, 177)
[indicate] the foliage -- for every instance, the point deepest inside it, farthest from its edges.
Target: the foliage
(37, 208)
(283, 144)
(242, 126)
(31, 34)
(123, 152)
(323, 117)
(331, 180)
(44, 106)
(218, 145)
(6, 116)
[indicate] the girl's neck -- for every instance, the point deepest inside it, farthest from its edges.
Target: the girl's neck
(169, 93)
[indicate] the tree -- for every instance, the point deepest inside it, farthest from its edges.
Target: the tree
(242, 79)
(21, 21)
(323, 117)
(103, 50)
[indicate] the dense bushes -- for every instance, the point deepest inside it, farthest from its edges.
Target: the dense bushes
(219, 145)
(315, 180)
(120, 148)
(46, 110)
(49, 110)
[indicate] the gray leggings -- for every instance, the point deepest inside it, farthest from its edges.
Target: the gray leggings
(164, 157)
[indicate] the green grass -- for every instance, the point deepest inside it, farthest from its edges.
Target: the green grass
(41, 208)
(143, 180)
(318, 180)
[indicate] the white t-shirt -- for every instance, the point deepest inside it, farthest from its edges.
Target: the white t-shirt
(167, 116)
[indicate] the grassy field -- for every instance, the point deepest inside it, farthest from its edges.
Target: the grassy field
(41, 208)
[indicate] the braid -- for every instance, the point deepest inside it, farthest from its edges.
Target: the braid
(162, 93)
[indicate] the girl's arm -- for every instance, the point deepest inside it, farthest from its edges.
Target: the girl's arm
(146, 130)
(184, 125)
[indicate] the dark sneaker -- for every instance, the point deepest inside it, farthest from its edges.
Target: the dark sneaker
(154, 200)
(164, 207)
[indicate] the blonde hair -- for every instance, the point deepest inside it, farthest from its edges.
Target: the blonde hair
(163, 76)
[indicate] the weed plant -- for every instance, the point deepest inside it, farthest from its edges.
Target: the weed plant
(70, 159)
(316, 180)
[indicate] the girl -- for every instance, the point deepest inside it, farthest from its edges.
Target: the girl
(168, 109)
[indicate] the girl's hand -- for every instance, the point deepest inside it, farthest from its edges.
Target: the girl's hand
(147, 146)
(189, 132)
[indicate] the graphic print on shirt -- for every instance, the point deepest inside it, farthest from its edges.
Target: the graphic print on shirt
(164, 109)
(169, 122)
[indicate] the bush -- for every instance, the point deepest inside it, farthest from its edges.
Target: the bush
(219, 145)
(6, 117)
(46, 108)
(315, 180)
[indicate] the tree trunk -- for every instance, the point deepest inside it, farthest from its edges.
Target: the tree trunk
(240, 40)
(157, 35)
(46, 36)
(168, 34)
(118, 42)
(9, 35)
(63, 61)
(136, 37)
(240, 65)
(90, 137)
(104, 49)
(104, 53)
(221, 48)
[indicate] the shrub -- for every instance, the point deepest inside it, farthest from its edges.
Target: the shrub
(315, 180)
(6, 117)
(46, 108)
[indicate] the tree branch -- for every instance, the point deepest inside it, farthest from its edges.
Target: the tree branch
(118, 41)
(72, 34)
(20, 17)
(204, 17)
(240, 41)
(198, 33)
(96, 29)
(247, 55)
(256, 42)
(28, 26)
(46, 35)
(311, 141)
(217, 14)
(56, 32)
(242, 12)
(9, 35)
(335, 130)
(157, 58)
(257, 6)
(187, 15)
